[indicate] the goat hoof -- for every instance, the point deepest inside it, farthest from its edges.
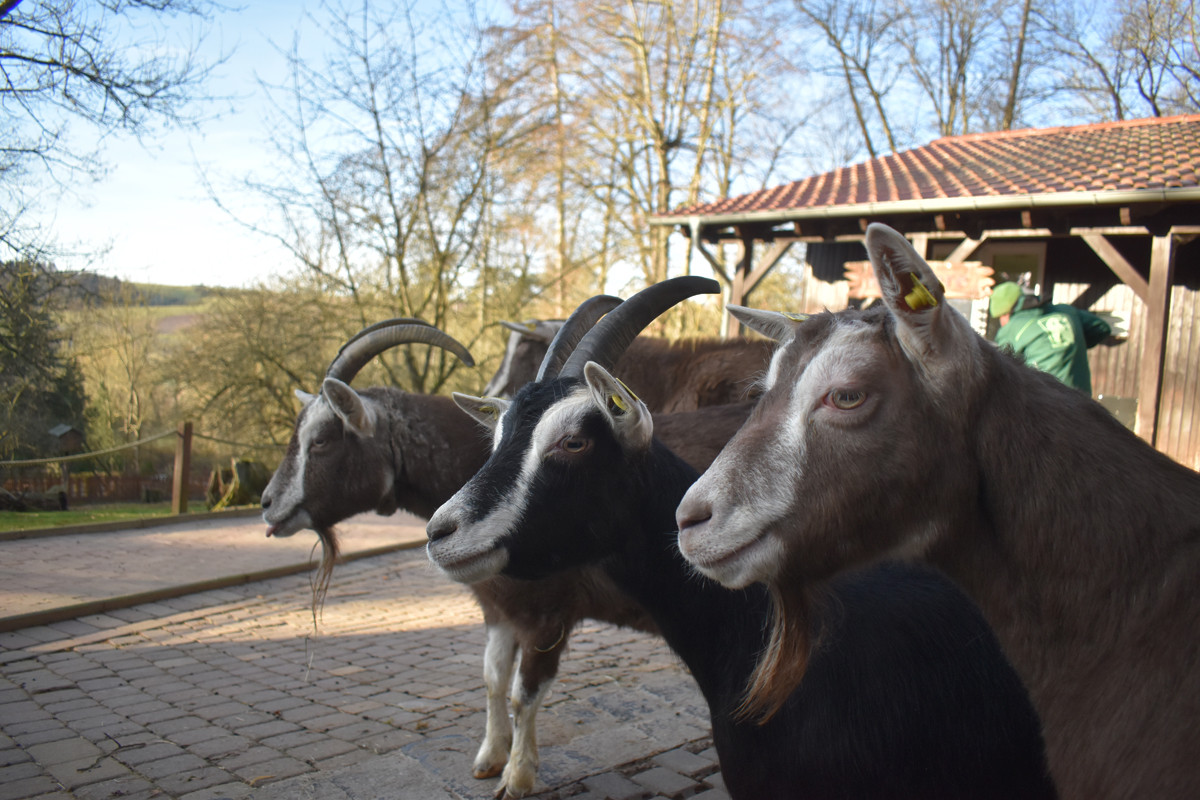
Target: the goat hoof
(490, 761)
(490, 771)
(516, 783)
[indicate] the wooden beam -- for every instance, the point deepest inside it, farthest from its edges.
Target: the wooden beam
(698, 243)
(965, 248)
(1118, 264)
(1158, 314)
(920, 243)
(765, 265)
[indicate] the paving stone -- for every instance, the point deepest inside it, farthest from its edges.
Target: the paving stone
(272, 727)
(274, 770)
(615, 786)
(37, 786)
(664, 781)
(135, 755)
(683, 762)
(192, 779)
(64, 750)
(165, 767)
(120, 788)
(73, 774)
(223, 791)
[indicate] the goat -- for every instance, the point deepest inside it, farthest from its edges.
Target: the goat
(382, 449)
(891, 706)
(899, 432)
(668, 376)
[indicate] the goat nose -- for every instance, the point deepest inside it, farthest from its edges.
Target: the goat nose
(266, 501)
(440, 529)
(695, 515)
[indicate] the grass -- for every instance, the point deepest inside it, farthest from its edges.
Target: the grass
(83, 515)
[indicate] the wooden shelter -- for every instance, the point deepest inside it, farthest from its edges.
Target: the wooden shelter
(1102, 216)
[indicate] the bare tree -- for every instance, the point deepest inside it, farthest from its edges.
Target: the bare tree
(388, 148)
(859, 34)
(61, 66)
(1137, 57)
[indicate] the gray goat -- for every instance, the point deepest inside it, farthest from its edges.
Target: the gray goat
(382, 449)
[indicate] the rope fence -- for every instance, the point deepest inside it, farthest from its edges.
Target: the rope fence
(181, 483)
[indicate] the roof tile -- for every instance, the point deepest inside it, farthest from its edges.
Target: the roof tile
(1131, 154)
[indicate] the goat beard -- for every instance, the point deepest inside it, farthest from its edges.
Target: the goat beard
(330, 551)
(784, 660)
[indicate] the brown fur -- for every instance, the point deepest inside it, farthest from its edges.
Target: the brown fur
(667, 376)
(1079, 542)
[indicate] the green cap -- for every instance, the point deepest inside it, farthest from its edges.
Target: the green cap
(1004, 297)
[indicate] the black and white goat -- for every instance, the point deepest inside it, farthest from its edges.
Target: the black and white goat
(383, 449)
(908, 694)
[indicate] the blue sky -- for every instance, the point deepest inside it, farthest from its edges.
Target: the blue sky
(152, 210)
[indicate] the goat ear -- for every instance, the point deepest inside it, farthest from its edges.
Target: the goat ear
(304, 397)
(926, 324)
(485, 410)
(776, 325)
(348, 405)
(627, 415)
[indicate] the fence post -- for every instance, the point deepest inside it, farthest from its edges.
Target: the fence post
(183, 469)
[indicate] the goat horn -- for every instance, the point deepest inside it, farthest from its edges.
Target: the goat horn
(605, 343)
(534, 329)
(573, 330)
(387, 323)
(381, 336)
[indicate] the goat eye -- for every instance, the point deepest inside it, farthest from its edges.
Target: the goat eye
(573, 444)
(847, 399)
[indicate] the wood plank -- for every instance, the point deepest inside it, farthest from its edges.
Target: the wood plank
(1158, 302)
(766, 264)
(965, 248)
(737, 291)
(1120, 266)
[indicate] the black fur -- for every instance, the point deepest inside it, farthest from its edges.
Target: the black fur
(907, 694)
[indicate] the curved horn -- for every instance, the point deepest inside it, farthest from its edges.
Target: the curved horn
(541, 330)
(387, 323)
(382, 336)
(605, 343)
(579, 323)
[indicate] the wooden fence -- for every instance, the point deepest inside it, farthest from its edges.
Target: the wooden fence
(91, 489)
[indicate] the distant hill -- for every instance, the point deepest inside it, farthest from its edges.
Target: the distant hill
(89, 287)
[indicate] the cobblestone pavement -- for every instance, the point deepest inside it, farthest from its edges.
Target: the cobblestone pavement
(230, 693)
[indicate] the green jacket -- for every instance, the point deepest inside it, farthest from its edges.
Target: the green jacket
(1055, 339)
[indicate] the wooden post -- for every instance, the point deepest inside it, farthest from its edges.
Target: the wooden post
(183, 469)
(737, 287)
(1154, 347)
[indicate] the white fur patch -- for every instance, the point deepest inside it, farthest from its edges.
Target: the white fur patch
(474, 552)
(285, 516)
(746, 494)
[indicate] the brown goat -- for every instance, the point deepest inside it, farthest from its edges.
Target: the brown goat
(898, 432)
(668, 376)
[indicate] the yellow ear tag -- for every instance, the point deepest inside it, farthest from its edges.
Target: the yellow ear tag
(619, 402)
(920, 298)
(489, 409)
(794, 317)
(530, 326)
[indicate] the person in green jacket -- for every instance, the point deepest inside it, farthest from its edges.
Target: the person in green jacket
(1051, 337)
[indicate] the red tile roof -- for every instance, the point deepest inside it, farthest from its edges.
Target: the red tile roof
(1144, 154)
